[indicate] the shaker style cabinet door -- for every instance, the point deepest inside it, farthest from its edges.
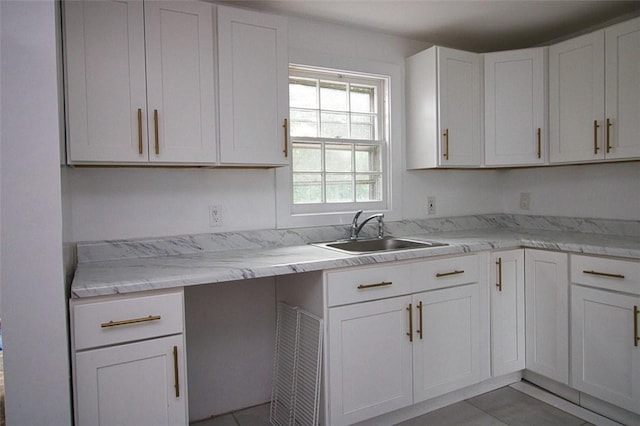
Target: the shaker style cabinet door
(180, 81)
(253, 72)
(106, 98)
(515, 107)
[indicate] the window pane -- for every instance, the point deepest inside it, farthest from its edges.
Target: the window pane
(303, 123)
(334, 125)
(368, 158)
(333, 96)
(338, 158)
(363, 98)
(339, 188)
(303, 93)
(307, 188)
(307, 157)
(363, 127)
(368, 188)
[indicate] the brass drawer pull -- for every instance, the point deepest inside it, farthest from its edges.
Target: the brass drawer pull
(604, 274)
(410, 333)
(636, 338)
(446, 274)
(382, 284)
(499, 283)
(609, 124)
(539, 142)
(596, 148)
(285, 126)
(155, 127)
(175, 371)
(139, 130)
(130, 321)
(420, 319)
(446, 144)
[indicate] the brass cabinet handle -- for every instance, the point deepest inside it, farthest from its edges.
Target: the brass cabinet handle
(175, 371)
(410, 333)
(140, 130)
(446, 274)
(604, 274)
(608, 140)
(155, 126)
(382, 284)
(636, 338)
(595, 136)
(130, 321)
(420, 319)
(499, 283)
(285, 126)
(446, 144)
(539, 142)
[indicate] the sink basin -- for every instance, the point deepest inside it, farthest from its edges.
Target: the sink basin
(378, 244)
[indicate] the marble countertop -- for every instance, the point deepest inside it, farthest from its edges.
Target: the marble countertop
(126, 275)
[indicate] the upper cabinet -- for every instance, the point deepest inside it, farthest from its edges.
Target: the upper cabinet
(515, 107)
(594, 95)
(253, 72)
(140, 82)
(443, 109)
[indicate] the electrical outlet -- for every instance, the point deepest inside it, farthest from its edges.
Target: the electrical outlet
(215, 216)
(525, 201)
(431, 205)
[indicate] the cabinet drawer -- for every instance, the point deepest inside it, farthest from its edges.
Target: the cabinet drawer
(367, 283)
(441, 273)
(610, 274)
(107, 322)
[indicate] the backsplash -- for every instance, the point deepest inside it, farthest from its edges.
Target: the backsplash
(271, 238)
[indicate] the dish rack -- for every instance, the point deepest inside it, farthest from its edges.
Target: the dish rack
(295, 395)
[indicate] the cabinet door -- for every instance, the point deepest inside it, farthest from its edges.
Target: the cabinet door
(446, 344)
(105, 81)
(459, 107)
(576, 99)
(369, 360)
(140, 383)
(254, 87)
(605, 358)
(180, 81)
(623, 90)
(547, 314)
(515, 127)
(507, 312)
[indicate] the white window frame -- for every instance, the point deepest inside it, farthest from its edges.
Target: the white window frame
(381, 84)
(393, 153)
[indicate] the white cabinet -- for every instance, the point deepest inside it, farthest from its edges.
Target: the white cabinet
(605, 339)
(129, 361)
(253, 72)
(507, 312)
(588, 122)
(443, 109)
(140, 82)
(515, 88)
(547, 314)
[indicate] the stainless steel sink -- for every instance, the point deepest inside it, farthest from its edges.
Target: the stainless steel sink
(378, 244)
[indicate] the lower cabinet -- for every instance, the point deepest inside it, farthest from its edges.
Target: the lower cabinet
(129, 361)
(547, 314)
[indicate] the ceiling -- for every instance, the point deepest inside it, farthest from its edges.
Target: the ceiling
(478, 26)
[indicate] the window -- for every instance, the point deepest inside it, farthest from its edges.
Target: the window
(338, 127)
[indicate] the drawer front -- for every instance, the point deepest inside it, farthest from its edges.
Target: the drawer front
(609, 274)
(367, 283)
(109, 322)
(449, 272)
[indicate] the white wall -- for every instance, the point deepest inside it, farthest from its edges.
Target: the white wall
(34, 312)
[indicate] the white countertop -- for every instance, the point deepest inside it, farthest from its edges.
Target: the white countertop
(126, 275)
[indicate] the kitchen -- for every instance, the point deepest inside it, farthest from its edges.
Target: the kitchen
(89, 203)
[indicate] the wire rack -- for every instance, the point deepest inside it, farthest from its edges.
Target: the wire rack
(295, 394)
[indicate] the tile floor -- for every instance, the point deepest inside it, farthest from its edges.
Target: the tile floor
(504, 406)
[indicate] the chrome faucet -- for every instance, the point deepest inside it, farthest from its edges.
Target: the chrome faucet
(355, 228)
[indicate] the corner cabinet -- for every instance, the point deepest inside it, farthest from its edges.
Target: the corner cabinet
(129, 361)
(515, 87)
(443, 109)
(594, 95)
(139, 82)
(253, 73)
